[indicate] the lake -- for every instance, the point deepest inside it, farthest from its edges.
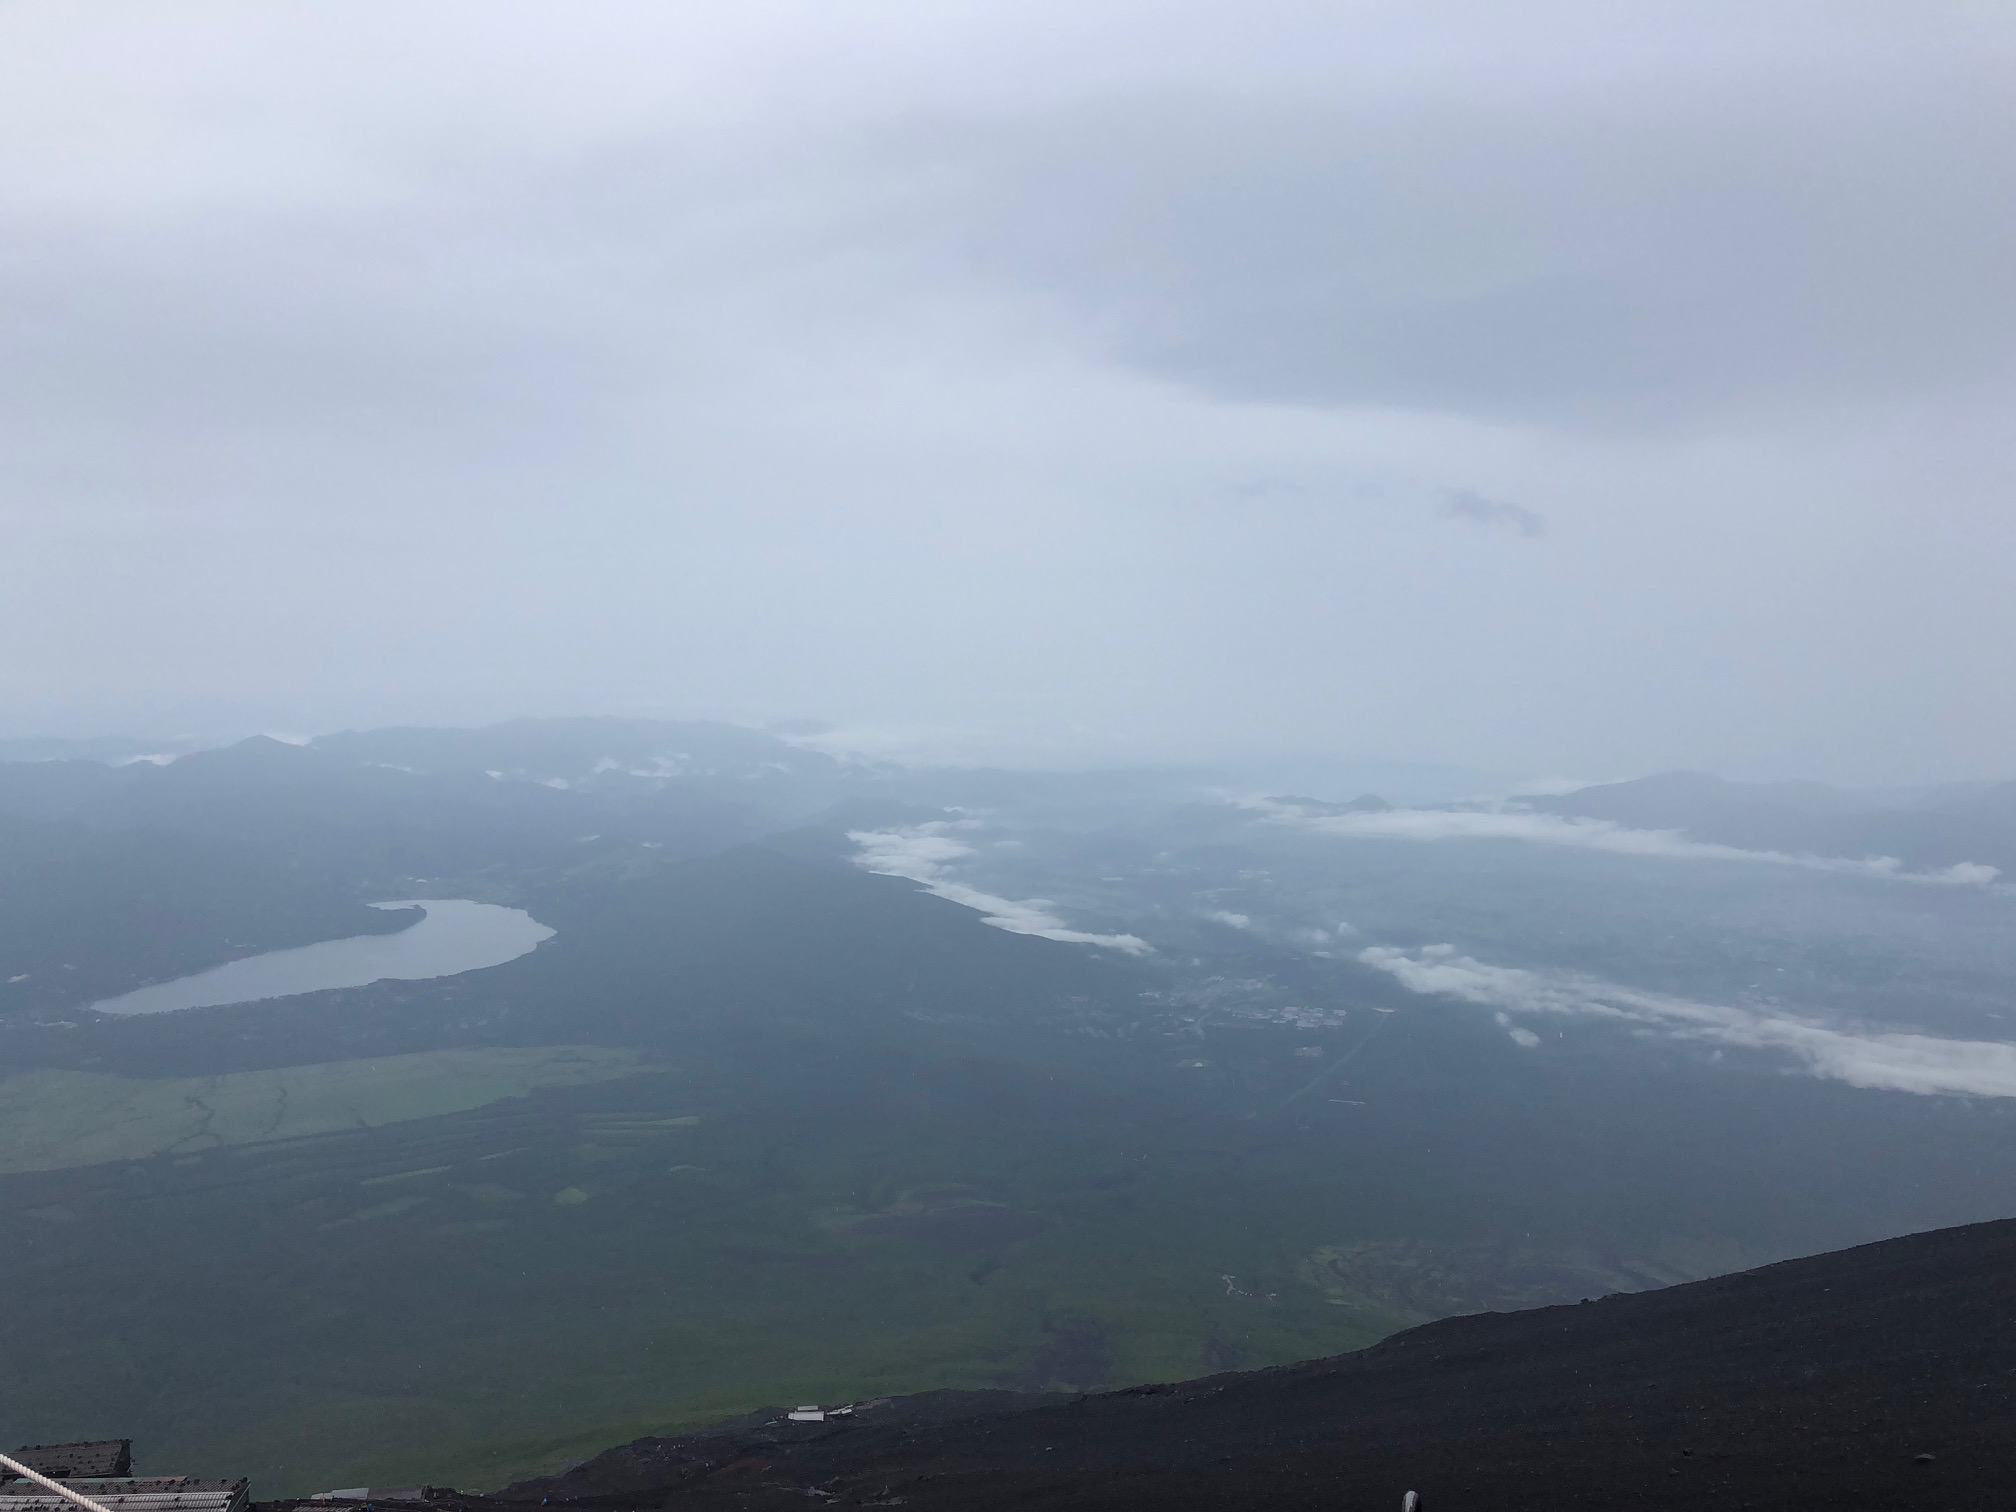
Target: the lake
(455, 935)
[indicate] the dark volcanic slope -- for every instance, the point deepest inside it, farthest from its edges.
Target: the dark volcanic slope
(1818, 1382)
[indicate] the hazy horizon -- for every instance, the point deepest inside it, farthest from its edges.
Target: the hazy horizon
(1555, 389)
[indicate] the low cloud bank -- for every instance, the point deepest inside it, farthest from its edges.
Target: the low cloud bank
(1918, 1063)
(1597, 835)
(921, 854)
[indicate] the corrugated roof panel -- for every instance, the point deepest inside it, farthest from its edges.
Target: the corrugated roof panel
(167, 1493)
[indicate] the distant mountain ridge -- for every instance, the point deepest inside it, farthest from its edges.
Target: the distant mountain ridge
(1938, 828)
(399, 799)
(574, 750)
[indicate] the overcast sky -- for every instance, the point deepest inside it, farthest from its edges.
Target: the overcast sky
(1576, 389)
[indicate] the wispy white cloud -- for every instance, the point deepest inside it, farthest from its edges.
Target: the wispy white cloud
(922, 852)
(1596, 835)
(1919, 1063)
(1232, 920)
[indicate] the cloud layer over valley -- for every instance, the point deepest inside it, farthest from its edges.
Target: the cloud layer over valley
(1429, 825)
(1892, 1062)
(923, 853)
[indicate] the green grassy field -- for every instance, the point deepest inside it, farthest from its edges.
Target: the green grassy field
(53, 1119)
(476, 1296)
(479, 1295)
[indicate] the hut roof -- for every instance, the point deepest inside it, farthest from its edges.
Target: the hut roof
(92, 1457)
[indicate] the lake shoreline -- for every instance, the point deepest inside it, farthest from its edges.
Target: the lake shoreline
(450, 936)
